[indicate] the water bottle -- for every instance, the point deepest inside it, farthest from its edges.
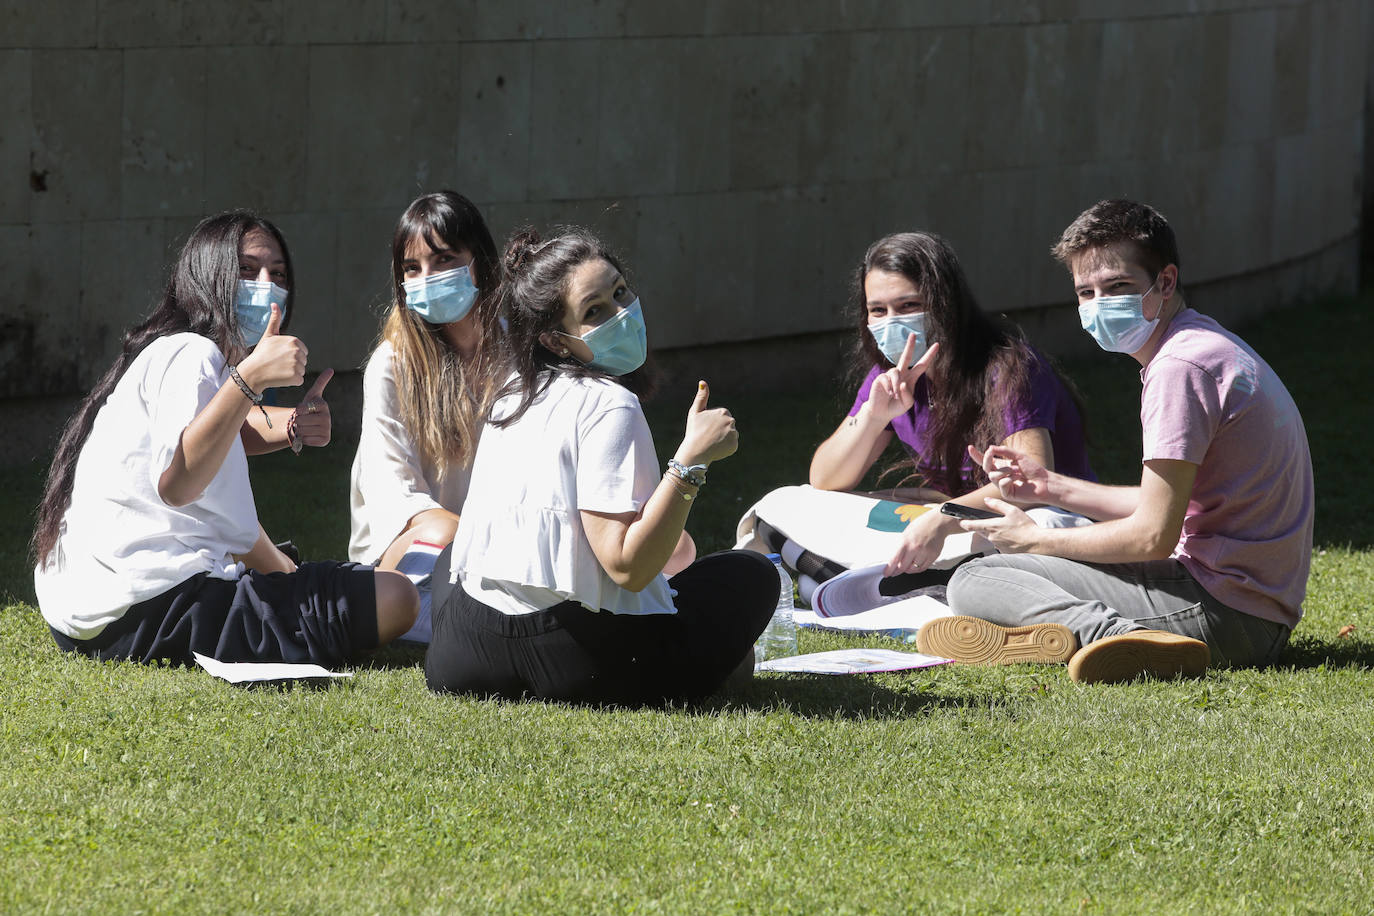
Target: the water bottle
(779, 638)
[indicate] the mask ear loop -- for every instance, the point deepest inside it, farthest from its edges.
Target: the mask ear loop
(564, 351)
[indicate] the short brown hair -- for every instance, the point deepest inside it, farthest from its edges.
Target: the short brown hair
(1114, 222)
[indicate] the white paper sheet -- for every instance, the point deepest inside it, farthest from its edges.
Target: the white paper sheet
(852, 661)
(249, 672)
(900, 619)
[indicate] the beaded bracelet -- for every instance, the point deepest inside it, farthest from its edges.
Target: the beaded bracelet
(694, 474)
(249, 393)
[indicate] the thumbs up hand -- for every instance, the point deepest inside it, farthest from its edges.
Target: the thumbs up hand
(277, 361)
(310, 422)
(711, 433)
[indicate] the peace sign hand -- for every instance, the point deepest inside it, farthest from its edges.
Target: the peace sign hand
(893, 392)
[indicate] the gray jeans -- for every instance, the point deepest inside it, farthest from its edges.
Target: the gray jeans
(1105, 600)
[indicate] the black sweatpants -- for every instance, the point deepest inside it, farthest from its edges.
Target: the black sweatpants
(567, 652)
(323, 613)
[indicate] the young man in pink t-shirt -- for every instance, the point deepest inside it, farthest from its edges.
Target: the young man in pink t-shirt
(1206, 561)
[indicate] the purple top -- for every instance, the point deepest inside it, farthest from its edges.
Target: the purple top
(1046, 404)
(1210, 400)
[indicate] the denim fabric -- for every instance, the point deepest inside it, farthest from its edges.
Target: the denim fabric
(1098, 600)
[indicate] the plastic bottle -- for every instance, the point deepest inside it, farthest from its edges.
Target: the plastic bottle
(779, 638)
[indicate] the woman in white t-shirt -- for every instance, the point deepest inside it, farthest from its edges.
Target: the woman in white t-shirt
(554, 585)
(148, 545)
(426, 391)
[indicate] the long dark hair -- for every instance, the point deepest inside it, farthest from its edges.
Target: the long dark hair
(980, 371)
(443, 400)
(534, 286)
(199, 299)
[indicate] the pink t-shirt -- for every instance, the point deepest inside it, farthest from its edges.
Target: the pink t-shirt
(1210, 400)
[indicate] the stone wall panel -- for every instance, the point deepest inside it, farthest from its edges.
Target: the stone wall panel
(371, 140)
(740, 156)
(26, 24)
(566, 132)
(163, 164)
(494, 119)
(77, 100)
(337, 21)
(124, 266)
(640, 98)
(17, 181)
(257, 145)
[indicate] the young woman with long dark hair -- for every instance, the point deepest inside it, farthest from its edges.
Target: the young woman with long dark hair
(148, 545)
(940, 375)
(426, 390)
(554, 586)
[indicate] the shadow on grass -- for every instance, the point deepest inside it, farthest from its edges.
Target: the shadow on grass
(810, 696)
(1310, 652)
(855, 697)
(393, 657)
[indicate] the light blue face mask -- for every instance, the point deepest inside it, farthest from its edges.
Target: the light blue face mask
(443, 297)
(1118, 323)
(254, 308)
(620, 345)
(891, 334)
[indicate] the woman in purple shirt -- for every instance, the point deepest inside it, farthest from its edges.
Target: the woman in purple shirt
(941, 375)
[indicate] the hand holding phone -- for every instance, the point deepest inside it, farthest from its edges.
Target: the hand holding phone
(968, 513)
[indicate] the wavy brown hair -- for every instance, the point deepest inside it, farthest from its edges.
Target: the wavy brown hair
(444, 399)
(983, 367)
(199, 298)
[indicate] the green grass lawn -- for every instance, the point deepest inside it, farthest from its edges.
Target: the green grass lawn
(126, 789)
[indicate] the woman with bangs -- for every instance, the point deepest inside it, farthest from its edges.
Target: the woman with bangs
(939, 375)
(426, 390)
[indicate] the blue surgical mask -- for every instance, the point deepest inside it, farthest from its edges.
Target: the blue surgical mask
(1118, 323)
(254, 308)
(443, 297)
(619, 345)
(891, 334)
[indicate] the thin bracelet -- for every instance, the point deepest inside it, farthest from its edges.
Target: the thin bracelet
(681, 486)
(249, 393)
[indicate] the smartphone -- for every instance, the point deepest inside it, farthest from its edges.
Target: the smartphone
(967, 512)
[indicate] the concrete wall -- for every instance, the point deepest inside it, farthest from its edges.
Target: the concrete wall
(740, 154)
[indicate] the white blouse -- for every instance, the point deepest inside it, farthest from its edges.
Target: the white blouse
(120, 543)
(582, 445)
(389, 484)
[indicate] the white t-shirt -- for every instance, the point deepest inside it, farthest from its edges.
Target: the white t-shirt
(390, 485)
(583, 444)
(120, 543)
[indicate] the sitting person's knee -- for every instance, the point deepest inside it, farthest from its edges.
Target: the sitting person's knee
(436, 529)
(398, 604)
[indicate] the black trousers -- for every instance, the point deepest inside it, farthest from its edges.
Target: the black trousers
(567, 652)
(323, 613)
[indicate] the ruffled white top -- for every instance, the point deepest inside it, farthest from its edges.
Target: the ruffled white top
(582, 445)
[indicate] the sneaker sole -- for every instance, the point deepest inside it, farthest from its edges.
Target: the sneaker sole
(1132, 655)
(975, 641)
